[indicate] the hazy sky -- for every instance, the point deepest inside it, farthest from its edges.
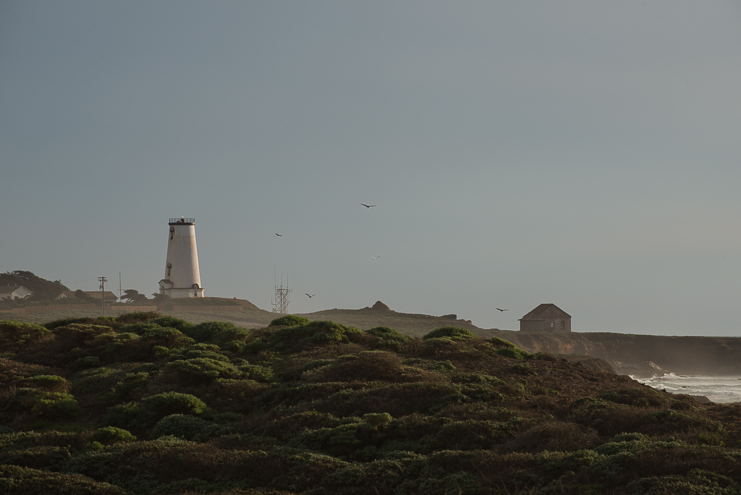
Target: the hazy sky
(584, 153)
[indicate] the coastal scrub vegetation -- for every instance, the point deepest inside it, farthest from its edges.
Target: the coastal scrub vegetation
(150, 404)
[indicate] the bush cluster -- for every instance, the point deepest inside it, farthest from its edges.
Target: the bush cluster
(145, 403)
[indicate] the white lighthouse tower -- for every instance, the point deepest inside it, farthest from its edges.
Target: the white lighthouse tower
(182, 275)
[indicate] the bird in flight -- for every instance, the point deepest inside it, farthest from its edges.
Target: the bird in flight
(310, 295)
(500, 309)
(279, 235)
(367, 206)
(375, 257)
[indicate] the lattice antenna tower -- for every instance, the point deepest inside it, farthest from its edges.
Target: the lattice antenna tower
(282, 296)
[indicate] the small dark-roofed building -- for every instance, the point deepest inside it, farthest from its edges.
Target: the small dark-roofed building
(546, 317)
(96, 294)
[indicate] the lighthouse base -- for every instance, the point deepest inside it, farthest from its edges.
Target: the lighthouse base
(166, 288)
(181, 293)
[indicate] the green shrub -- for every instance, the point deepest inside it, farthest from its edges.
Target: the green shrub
(473, 434)
(586, 409)
(200, 371)
(110, 435)
(341, 440)
(130, 382)
(172, 322)
(160, 352)
(514, 353)
(371, 478)
(314, 334)
(207, 330)
(377, 419)
(182, 426)
(77, 335)
(45, 404)
(255, 346)
(431, 364)
(86, 362)
(290, 321)
(66, 321)
(48, 382)
(61, 406)
(138, 316)
(401, 399)
(553, 436)
(139, 328)
(475, 378)
(74, 441)
(15, 335)
(669, 420)
(454, 333)
(119, 346)
(40, 457)
(523, 369)
(204, 351)
(388, 338)
(543, 356)
(368, 365)
(158, 406)
(256, 372)
(635, 397)
(231, 335)
(439, 346)
(123, 415)
(16, 480)
(501, 343)
(697, 482)
(165, 337)
(457, 483)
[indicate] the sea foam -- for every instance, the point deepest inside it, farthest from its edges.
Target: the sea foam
(719, 389)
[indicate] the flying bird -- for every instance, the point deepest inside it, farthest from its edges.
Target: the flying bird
(310, 295)
(500, 309)
(279, 235)
(367, 206)
(375, 257)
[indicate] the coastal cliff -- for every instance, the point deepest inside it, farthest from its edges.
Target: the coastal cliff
(641, 355)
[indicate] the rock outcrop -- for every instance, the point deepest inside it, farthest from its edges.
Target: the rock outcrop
(379, 305)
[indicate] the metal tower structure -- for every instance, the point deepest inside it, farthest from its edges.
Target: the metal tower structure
(282, 296)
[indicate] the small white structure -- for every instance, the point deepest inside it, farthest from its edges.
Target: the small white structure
(14, 292)
(182, 275)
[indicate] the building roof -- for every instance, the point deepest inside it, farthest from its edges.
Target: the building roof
(9, 289)
(546, 311)
(96, 294)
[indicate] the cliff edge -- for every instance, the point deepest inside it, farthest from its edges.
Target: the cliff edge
(639, 355)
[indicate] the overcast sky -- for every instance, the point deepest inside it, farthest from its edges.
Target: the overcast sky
(584, 153)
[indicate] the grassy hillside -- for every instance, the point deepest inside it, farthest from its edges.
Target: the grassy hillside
(144, 403)
(415, 325)
(248, 315)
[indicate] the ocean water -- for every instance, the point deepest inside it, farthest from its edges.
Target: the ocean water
(719, 389)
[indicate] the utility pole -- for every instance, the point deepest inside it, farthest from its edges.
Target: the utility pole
(102, 280)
